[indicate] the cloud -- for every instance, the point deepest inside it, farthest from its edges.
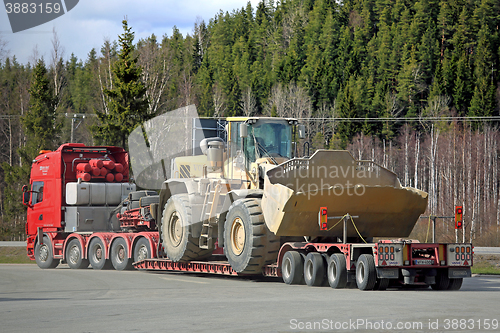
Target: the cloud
(92, 21)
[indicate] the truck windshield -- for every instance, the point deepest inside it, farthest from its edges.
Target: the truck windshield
(268, 138)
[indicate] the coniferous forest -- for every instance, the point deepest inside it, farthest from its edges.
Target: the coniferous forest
(412, 85)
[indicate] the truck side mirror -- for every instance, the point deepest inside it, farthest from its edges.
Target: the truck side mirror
(26, 197)
(302, 131)
(243, 130)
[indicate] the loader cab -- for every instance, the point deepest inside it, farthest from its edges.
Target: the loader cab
(251, 139)
(267, 138)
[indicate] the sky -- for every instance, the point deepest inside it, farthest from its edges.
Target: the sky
(91, 22)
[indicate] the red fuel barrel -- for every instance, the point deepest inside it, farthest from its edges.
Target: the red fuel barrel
(84, 176)
(118, 177)
(118, 167)
(110, 165)
(96, 171)
(110, 177)
(96, 163)
(83, 167)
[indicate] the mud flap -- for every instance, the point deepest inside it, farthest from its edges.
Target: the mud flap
(39, 235)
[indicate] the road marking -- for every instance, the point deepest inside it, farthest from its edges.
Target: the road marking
(182, 280)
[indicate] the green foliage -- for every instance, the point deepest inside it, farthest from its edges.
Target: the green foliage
(127, 107)
(14, 255)
(41, 132)
(318, 141)
(40, 122)
(361, 58)
(14, 210)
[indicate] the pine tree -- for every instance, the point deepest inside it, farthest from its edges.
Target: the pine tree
(483, 100)
(40, 122)
(41, 131)
(127, 106)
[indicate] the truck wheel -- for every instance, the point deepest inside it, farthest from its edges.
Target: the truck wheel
(44, 256)
(365, 272)
(176, 232)
(119, 255)
(442, 280)
(455, 284)
(142, 250)
(292, 268)
(337, 271)
(248, 243)
(314, 269)
(74, 255)
(97, 255)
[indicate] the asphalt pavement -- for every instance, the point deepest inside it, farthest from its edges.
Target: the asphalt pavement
(65, 300)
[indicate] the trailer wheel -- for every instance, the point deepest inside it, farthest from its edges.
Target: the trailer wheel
(97, 255)
(366, 276)
(74, 256)
(44, 256)
(119, 255)
(292, 268)
(442, 280)
(455, 284)
(142, 250)
(351, 285)
(176, 232)
(381, 284)
(314, 269)
(337, 271)
(248, 243)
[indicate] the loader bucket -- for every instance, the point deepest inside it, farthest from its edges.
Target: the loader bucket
(295, 190)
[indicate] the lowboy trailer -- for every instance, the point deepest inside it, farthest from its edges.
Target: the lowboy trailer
(247, 206)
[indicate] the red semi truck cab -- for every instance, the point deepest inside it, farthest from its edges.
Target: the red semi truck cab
(74, 189)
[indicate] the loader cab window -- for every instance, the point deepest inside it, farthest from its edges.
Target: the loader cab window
(235, 143)
(37, 192)
(268, 138)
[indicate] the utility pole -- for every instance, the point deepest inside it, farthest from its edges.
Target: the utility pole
(75, 117)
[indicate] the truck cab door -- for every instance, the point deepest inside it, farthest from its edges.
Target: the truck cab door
(40, 211)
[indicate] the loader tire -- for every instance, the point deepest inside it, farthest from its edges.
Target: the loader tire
(178, 243)
(248, 243)
(44, 256)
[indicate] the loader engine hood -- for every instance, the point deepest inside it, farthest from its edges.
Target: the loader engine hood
(295, 190)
